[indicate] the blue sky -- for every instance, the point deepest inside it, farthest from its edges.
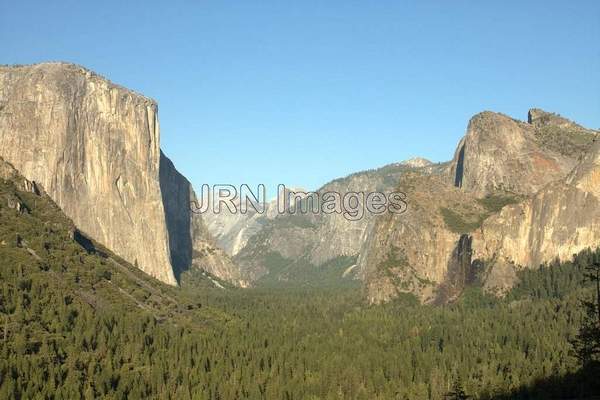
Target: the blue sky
(306, 91)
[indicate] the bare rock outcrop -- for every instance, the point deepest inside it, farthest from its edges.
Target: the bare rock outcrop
(189, 240)
(557, 222)
(94, 148)
(516, 194)
(417, 162)
(9, 173)
(499, 153)
(232, 230)
(423, 250)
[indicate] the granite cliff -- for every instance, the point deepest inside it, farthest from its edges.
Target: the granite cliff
(412, 252)
(189, 240)
(557, 222)
(515, 195)
(501, 154)
(94, 147)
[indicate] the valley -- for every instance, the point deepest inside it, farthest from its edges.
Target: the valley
(112, 287)
(83, 323)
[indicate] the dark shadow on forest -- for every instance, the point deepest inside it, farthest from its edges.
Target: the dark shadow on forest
(583, 384)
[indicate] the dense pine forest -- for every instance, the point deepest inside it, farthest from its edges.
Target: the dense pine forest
(77, 322)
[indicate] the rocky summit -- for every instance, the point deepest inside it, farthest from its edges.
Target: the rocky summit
(516, 195)
(94, 147)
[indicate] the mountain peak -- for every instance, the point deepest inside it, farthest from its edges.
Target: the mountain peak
(539, 117)
(416, 162)
(65, 73)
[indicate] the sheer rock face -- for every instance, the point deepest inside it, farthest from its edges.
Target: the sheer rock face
(176, 194)
(499, 153)
(560, 220)
(552, 165)
(94, 148)
(549, 165)
(190, 242)
(232, 230)
(417, 252)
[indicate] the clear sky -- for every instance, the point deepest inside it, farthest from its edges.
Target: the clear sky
(301, 92)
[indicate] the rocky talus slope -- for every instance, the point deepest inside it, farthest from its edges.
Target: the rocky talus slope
(516, 194)
(94, 148)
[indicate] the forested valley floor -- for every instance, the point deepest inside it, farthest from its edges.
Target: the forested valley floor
(77, 322)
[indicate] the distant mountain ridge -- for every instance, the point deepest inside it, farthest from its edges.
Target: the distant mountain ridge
(316, 239)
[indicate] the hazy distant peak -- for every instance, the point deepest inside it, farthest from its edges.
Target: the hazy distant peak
(298, 189)
(416, 162)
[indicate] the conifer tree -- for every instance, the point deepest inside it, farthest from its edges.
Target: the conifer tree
(587, 341)
(457, 392)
